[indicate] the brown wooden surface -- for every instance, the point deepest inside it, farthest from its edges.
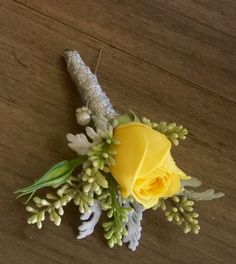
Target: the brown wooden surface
(171, 60)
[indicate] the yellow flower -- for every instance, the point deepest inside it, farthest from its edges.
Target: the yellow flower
(144, 167)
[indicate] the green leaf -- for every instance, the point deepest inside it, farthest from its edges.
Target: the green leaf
(127, 118)
(57, 175)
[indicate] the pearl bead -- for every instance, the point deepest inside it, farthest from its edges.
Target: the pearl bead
(83, 116)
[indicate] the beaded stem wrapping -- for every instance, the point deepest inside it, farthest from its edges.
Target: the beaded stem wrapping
(88, 86)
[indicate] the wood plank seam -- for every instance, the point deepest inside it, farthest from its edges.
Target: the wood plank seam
(201, 23)
(196, 85)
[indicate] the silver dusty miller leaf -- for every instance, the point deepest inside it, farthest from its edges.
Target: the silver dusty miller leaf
(198, 196)
(133, 225)
(90, 219)
(82, 143)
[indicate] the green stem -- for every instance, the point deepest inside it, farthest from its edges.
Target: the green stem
(77, 161)
(115, 202)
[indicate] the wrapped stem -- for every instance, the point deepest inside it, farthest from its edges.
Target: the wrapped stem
(87, 85)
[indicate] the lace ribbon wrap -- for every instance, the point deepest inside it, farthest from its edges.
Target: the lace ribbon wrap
(88, 86)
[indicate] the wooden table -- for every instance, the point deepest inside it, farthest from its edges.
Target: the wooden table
(168, 60)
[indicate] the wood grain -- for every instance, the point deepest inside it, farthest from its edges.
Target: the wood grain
(187, 38)
(37, 106)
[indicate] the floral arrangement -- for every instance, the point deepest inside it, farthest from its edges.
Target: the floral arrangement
(125, 167)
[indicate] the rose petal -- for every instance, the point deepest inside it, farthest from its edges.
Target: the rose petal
(169, 165)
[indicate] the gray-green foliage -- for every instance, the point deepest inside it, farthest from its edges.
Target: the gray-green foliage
(171, 130)
(133, 225)
(89, 220)
(208, 194)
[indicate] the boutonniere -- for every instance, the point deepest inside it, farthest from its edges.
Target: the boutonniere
(125, 167)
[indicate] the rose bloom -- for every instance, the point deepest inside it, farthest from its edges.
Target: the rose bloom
(144, 166)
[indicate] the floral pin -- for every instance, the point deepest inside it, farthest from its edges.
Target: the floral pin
(125, 165)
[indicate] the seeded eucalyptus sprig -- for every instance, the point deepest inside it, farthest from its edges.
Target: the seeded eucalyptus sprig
(105, 200)
(94, 180)
(83, 200)
(182, 213)
(171, 130)
(179, 209)
(115, 229)
(53, 205)
(102, 156)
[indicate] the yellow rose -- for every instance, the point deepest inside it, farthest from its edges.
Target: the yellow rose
(144, 167)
